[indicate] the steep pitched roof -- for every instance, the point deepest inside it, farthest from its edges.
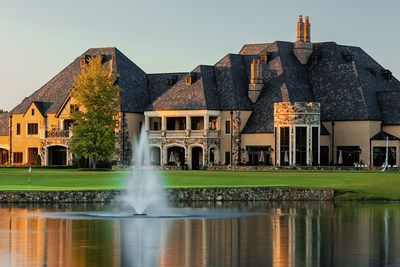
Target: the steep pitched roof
(4, 123)
(198, 95)
(389, 103)
(158, 83)
(53, 94)
(383, 135)
(346, 89)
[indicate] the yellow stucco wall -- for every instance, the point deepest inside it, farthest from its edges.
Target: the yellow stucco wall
(24, 141)
(354, 133)
(133, 124)
(262, 139)
(5, 142)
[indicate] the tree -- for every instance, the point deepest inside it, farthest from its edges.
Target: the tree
(96, 119)
(3, 111)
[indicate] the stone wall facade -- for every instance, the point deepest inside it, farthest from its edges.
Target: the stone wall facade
(174, 194)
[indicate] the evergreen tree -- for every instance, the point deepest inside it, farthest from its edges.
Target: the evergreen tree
(96, 119)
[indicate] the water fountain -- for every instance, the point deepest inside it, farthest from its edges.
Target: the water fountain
(145, 191)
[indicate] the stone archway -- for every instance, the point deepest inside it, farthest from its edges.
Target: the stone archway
(4, 157)
(197, 161)
(174, 155)
(56, 155)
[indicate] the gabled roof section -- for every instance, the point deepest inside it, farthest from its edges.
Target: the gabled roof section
(4, 123)
(389, 103)
(200, 94)
(348, 86)
(131, 79)
(159, 83)
(285, 80)
(383, 135)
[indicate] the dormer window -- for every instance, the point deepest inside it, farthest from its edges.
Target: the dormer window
(73, 108)
(387, 74)
(103, 59)
(347, 57)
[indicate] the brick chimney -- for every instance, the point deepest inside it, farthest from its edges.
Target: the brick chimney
(256, 84)
(303, 47)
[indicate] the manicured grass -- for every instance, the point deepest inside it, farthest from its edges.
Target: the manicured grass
(366, 185)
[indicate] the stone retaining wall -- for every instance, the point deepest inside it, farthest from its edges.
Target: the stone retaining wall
(175, 194)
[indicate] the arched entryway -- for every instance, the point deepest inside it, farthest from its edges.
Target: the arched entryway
(56, 155)
(155, 156)
(175, 156)
(197, 158)
(3, 156)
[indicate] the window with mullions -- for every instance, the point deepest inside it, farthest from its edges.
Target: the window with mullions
(227, 127)
(284, 133)
(17, 157)
(33, 129)
(301, 145)
(380, 155)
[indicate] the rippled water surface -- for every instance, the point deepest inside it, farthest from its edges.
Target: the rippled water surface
(224, 234)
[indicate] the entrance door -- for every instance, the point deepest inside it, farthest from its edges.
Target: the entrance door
(32, 154)
(197, 158)
(57, 155)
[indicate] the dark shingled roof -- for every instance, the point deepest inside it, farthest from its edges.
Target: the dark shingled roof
(389, 103)
(4, 123)
(201, 94)
(348, 83)
(158, 83)
(53, 94)
(347, 90)
(346, 87)
(383, 135)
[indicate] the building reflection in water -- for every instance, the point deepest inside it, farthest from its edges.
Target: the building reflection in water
(289, 234)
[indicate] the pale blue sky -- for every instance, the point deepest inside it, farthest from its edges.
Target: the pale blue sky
(39, 38)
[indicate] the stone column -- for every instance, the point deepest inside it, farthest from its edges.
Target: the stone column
(147, 123)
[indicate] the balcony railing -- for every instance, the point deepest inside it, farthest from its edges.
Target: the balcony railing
(185, 133)
(57, 134)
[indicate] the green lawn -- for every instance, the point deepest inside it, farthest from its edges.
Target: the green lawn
(369, 185)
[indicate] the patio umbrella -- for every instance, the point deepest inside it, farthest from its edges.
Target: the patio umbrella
(340, 160)
(172, 157)
(286, 157)
(152, 156)
(261, 158)
(246, 156)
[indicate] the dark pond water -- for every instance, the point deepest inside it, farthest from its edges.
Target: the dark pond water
(279, 234)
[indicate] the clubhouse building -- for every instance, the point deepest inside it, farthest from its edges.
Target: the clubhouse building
(282, 104)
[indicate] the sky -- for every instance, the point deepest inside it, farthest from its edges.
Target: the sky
(40, 38)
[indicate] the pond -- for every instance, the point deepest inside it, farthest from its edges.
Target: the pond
(274, 234)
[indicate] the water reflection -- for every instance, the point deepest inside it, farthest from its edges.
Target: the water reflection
(289, 234)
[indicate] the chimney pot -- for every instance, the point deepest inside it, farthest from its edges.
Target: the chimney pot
(300, 18)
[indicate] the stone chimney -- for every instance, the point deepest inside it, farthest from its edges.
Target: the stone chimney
(303, 47)
(256, 84)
